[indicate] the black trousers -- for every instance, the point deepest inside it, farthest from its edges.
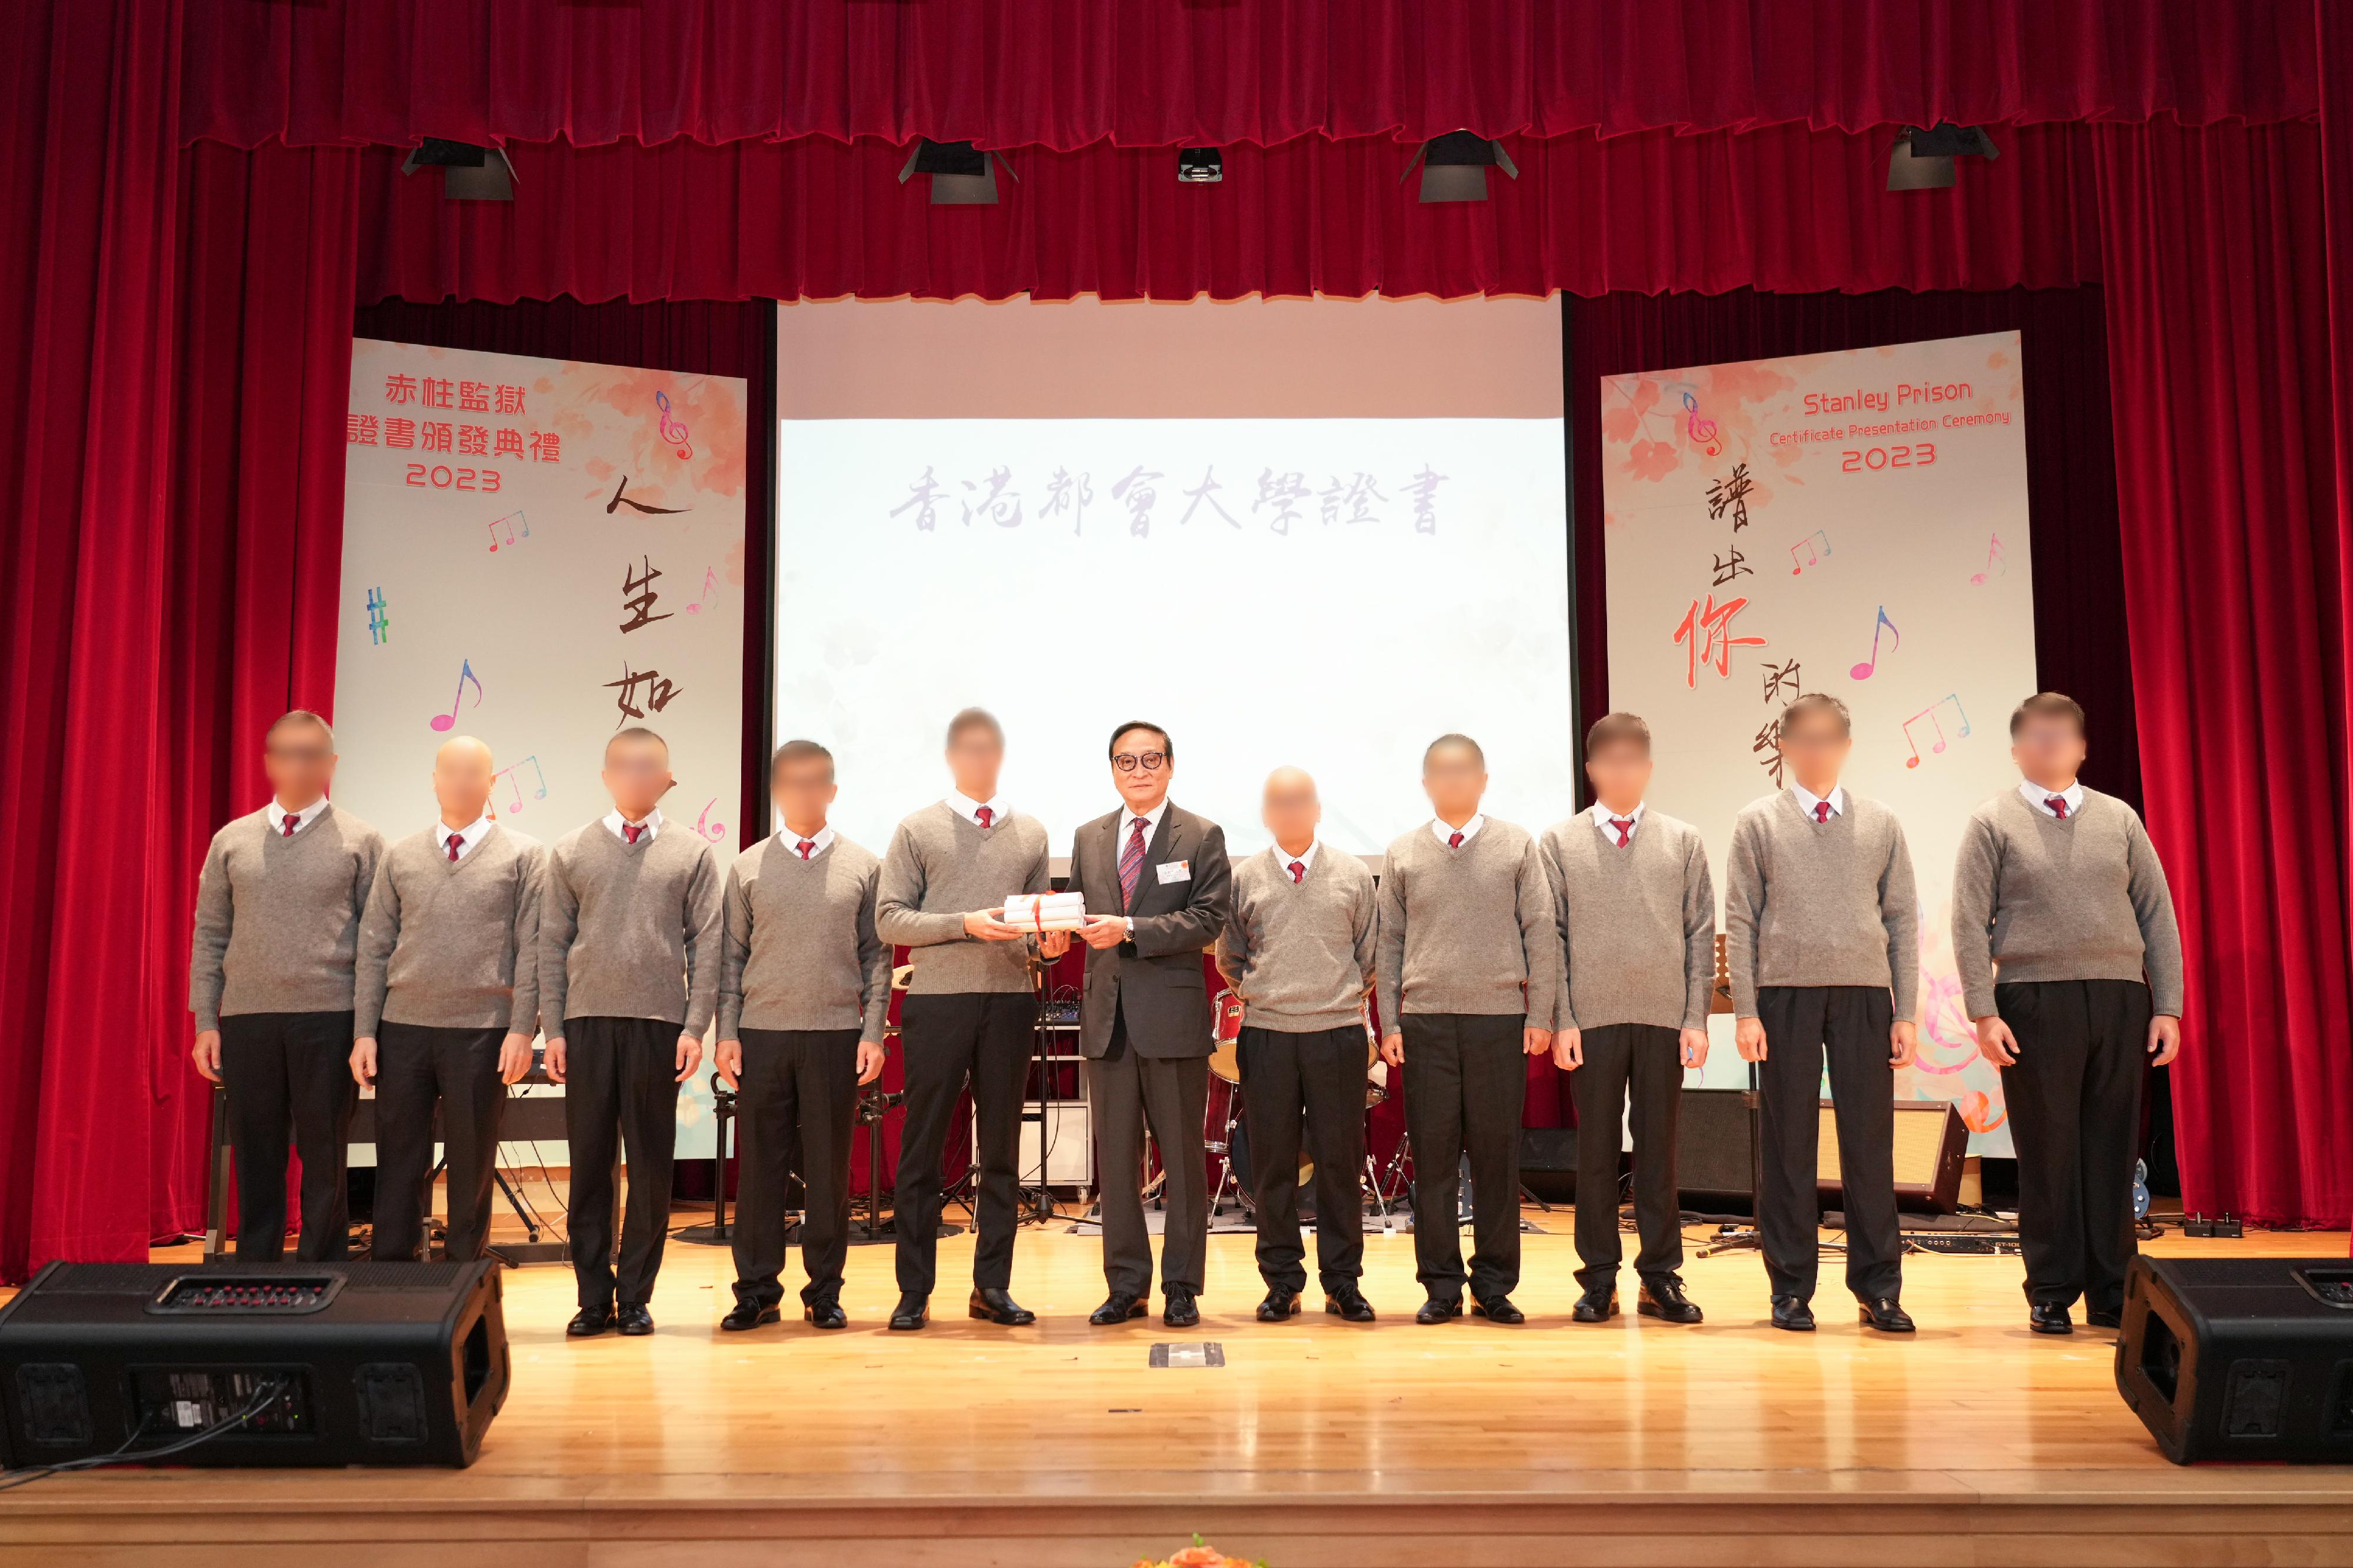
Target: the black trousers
(797, 1106)
(1313, 1082)
(415, 1068)
(983, 1038)
(2074, 1114)
(620, 1097)
(1645, 1061)
(1127, 1093)
(1848, 1025)
(1466, 1084)
(282, 1070)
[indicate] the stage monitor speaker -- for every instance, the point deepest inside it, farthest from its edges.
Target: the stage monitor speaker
(2241, 1358)
(1712, 1159)
(1548, 1150)
(375, 1363)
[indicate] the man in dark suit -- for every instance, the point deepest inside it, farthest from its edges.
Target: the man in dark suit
(1157, 888)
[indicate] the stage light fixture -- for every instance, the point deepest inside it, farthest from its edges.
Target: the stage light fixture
(962, 175)
(468, 173)
(1201, 166)
(1924, 160)
(1454, 166)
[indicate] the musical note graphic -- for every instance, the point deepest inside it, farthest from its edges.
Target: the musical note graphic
(379, 618)
(1700, 430)
(1863, 671)
(673, 429)
(1994, 557)
(515, 781)
(465, 673)
(1812, 559)
(716, 830)
(1929, 713)
(508, 522)
(709, 591)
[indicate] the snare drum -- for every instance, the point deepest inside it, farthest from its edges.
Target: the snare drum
(1225, 1036)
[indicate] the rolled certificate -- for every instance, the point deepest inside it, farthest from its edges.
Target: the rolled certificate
(1043, 912)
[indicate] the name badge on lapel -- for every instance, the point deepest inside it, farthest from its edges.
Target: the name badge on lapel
(1175, 871)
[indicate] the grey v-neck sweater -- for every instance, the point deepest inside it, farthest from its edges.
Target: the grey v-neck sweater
(941, 865)
(630, 931)
(453, 945)
(277, 918)
(1462, 929)
(1820, 904)
(1637, 924)
(1300, 954)
(800, 950)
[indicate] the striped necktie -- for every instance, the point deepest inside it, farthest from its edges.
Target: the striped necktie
(1131, 865)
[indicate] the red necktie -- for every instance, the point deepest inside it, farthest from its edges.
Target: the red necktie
(1454, 841)
(629, 830)
(1131, 865)
(1625, 827)
(2058, 804)
(1821, 811)
(986, 816)
(289, 826)
(806, 845)
(1298, 873)
(455, 840)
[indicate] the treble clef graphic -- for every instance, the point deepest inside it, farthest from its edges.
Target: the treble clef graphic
(673, 429)
(1699, 429)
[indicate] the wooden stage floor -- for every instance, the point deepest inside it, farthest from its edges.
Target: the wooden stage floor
(1316, 1444)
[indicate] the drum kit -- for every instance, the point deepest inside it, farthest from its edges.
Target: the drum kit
(1225, 1132)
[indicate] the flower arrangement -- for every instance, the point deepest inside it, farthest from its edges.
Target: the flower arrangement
(1200, 1554)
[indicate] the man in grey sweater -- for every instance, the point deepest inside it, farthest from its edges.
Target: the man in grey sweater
(1637, 918)
(2059, 886)
(1467, 971)
(804, 982)
(968, 1014)
(1298, 950)
(628, 975)
(1821, 937)
(448, 1003)
(270, 983)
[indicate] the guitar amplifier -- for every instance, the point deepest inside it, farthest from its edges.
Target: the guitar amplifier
(332, 1364)
(1712, 1159)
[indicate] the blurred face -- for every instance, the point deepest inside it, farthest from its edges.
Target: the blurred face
(636, 775)
(1621, 773)
(462, 779)
(299, 762)
(975, 756)
(1140, 768)
(1815, 748)
(804, 789)
(1292, 809)
(2048, 749)
(1454, 779)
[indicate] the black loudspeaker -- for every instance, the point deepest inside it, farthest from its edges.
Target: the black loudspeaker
(1548, 1150)
(1712, 1156)
(2241, 1358)
(338, 1363)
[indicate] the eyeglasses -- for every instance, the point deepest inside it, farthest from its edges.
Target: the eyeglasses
(1151, 762)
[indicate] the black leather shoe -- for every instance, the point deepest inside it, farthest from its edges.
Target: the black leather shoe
(588, 1322)
(1438, 1309)
(1881, 1312)
(826, 1315)
(1280, 1303)
(634, 1319)
(1792, 1314)
(2100, 1319)
(1118, 1308)
(1349, 1304)
(1598, 1305)
(991, 1305)
(2050, 1318)
(749, 1315)
(1499, 1310)
(1663, 1298)
(911, 1312)
(1176, 1307)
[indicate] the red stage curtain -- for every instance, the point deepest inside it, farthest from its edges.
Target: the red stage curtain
(1783, 209)
(1156, 73)
(2228, 407)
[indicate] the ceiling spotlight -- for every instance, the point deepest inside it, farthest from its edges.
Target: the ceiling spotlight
(1454, 166)
(468, 173)
(1923, 160)
(962, 175)
(1201, 166)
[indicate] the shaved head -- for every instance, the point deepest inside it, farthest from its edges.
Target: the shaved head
(1288, 781)
(459, 749)
(462, 779)
(1292, 809)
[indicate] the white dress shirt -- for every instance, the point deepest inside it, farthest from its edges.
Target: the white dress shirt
(1603, 816)
(2036, 795)
(964, 805)
(303, 818)
(1305, 860)
(468, 836)
(1151, 820)
(652, 826)
(819, 842)
(1807, 800)
(1468, 830)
